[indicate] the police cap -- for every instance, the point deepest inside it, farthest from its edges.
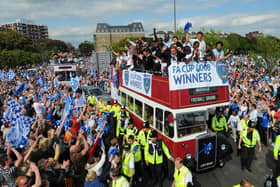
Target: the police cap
(153, 134)
(126, 147)
(146, 124)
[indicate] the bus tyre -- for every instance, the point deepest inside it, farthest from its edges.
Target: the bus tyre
(221, 163)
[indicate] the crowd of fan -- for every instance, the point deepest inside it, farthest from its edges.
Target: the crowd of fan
(158, 55)
(79, 156)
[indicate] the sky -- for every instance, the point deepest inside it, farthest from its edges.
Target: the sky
(75, 20)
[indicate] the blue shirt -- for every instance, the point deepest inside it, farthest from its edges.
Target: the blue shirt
(95, 183)
(218, 54)
(265, 120)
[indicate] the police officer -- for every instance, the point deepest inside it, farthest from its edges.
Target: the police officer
(124, 112)
(130, 130)
(277, 154)
(91, 99)
(135, 149)
(117, 179)
(249, 137)
(144, 136)
(106, 106)
(154, 150)
(116, 109)
(100, 105)
(128, 166)
(121, 126)
(182, 175)
(219, 122)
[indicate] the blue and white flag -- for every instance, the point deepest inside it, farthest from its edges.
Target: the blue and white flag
(20, 88)
(7, 116)
(20, 125)
(68, 111)
(10, 75)
(75, 82)
(55, 82)
(81, 101)
(56, 97)
(2, 75)
(40, 82)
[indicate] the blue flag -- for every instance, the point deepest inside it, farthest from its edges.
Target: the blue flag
(2, 75)
(40, 82)
(20, 88)
(10, 75)
(55, 82)
(75, 82)
(187, 27)
(20, 125)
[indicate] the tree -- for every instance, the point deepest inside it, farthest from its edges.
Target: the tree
(70, 46)
(86, 48)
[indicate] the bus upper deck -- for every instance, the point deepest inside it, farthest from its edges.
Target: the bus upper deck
(188, 85)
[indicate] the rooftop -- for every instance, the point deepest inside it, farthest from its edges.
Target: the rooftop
(24, 21)
(133, 27)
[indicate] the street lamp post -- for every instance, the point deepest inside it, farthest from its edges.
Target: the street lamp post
(174, 16)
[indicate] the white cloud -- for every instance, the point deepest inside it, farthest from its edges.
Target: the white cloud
(240, 23)
(103, 10)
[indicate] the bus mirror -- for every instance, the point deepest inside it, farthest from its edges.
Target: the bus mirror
(170, 119)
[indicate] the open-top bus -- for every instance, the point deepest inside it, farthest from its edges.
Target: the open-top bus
(63, 72)
(178, 107)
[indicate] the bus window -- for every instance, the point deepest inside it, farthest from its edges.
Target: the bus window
(123, 98)
(139, 108)
(159, 119)
(190, 123)
(148, 114)
(130, 103)
(168, 127)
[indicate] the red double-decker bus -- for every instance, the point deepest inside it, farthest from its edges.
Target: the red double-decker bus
(178, 107)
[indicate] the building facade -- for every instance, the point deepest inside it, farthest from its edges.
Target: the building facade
(28, 28)
(254, 34)
(106, 34)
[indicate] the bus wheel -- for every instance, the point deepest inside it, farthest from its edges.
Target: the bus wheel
(221, 163)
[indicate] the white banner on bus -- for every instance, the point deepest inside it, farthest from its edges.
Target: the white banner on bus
(139, 82)
(197, 75)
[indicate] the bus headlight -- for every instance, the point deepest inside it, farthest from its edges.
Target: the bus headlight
(188, 156)
(223, 147)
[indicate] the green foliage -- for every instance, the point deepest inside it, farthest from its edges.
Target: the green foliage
(17, 49)
(86, 48)
(17, 57)
(123, 43)
(180, 33)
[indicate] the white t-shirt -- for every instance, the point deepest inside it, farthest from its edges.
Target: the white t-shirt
(38, 108)
(253, 115)
(234, 121)
(98, 167)
(201, 48)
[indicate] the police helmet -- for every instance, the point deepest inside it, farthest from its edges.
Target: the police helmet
(146, 124)
(251, 124)
(126, 147)
(153, 134)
